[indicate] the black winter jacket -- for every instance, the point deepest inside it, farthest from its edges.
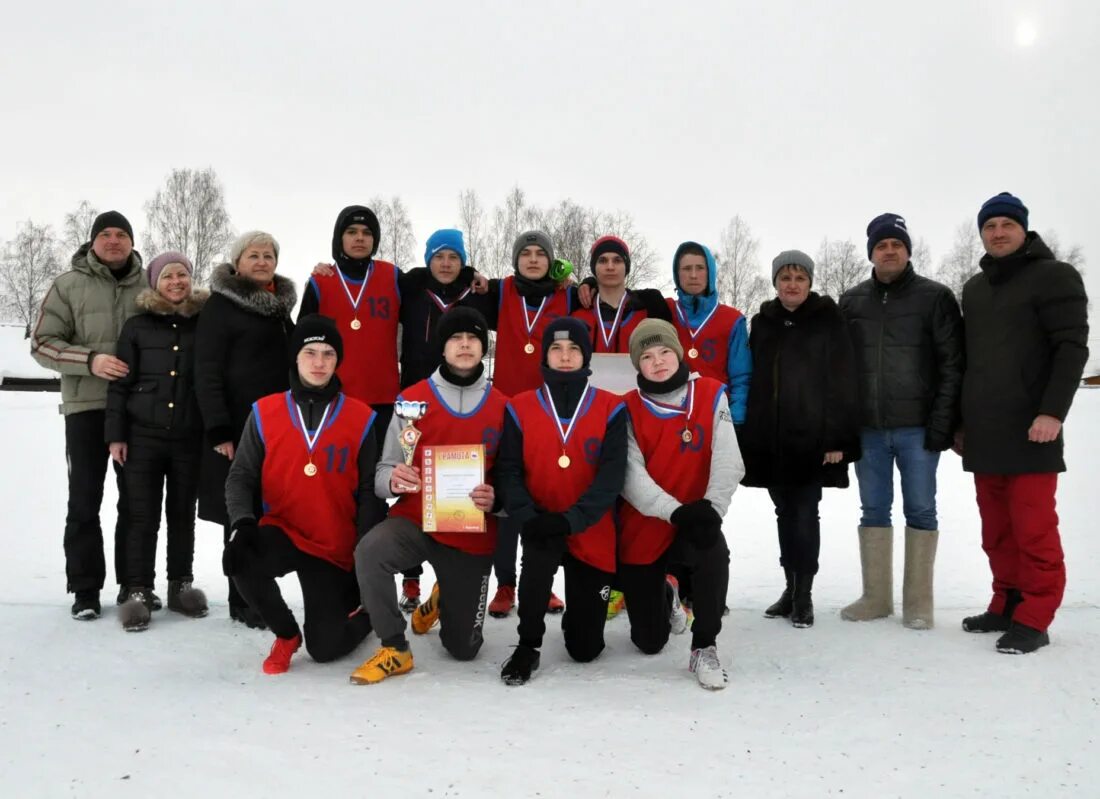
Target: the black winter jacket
(909, 348)
(157, 397)
(1026, 320)
(242, 354)
(803, 398)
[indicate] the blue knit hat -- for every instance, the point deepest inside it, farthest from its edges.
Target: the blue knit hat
(887, 226)
(1004, 204)
(445, 239)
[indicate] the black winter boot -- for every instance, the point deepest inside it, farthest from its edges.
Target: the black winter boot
(994, 622)
(1021, 640)
(802, 610)
(518, 668)
(783, 606)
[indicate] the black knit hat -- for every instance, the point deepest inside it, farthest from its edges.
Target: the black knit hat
(354, 215)
(313, 329)
(461, 319)
(111, 219)
(1003, 204)
(609, 244)
(572, 328)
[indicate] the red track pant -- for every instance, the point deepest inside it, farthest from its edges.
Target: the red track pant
(1020, 538)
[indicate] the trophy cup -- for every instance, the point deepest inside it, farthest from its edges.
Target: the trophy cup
(409, 412)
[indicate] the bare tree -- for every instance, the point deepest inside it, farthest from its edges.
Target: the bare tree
(1074, 255)
(27, 268)
(398, 242)
(922, 257)
(740, 281)
(569, 228)
(509, 220)
(961, 261)
(77, 227)
(471, 221)
(839, 265)
(188, 214)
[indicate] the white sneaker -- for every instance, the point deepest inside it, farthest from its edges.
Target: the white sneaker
(678, 617)
(708, 669)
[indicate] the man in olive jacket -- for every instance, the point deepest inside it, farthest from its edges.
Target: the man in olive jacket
(77, 328)
(909, 344)
(1026, 317)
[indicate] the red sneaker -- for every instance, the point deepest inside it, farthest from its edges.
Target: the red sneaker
(555, 605)
(278, 661)
(503, 601)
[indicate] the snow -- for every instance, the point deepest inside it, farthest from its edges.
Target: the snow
(15, 354)
(859, 710)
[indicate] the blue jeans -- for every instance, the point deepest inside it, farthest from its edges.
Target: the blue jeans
(875, 472)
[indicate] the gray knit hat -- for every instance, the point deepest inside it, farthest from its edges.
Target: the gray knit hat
(653, 332)
(529, 237)
(793, 258)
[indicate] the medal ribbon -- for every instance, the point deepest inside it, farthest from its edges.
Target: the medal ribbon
(310, 442)
(446, 306)
(683, 320)
(607, 339)
(568, 431)
(355, 300)
(663, 408)
(527, 320)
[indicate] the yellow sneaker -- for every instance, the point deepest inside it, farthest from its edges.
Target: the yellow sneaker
(615, 604)
(387, 662)
(427, 615)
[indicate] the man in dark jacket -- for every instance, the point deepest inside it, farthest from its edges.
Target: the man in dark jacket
(78, 325)
(908, 337)
(1027, 343)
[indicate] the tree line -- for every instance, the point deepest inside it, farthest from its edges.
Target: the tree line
(188, 213)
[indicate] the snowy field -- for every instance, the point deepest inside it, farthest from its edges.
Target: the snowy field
(859, 710)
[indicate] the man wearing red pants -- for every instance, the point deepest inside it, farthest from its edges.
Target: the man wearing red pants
(1025, 316)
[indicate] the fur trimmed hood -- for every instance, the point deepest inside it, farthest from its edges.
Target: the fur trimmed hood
(149, 300)
(253, 297)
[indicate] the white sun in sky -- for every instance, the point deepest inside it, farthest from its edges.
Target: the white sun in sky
(1026, 32)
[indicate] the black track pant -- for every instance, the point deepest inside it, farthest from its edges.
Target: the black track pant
(328, 592)
(649, 602)
(586, 592)
(799, 526)
(87, 456)
(155, 468)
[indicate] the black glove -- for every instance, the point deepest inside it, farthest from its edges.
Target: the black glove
(544, 529)
(238, 548)
(698, 522)
(937, 440)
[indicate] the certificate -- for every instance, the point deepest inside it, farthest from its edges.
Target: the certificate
(449, 474)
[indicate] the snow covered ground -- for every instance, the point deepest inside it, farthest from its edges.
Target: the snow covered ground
(860, 710)
(15, 354)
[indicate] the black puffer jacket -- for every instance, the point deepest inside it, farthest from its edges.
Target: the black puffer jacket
(803, 396)
(909, 348)
(1027, 336)
(157, 397)
(242, 354)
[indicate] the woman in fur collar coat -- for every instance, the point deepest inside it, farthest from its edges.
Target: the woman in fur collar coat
(154, 432)
(241, 355)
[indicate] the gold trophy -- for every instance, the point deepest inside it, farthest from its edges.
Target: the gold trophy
(409, 412)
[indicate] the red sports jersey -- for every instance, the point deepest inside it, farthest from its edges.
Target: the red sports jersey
(681, 468)
(317, 513)
(614, 338)
(711, 342)
(442, 426)
(556, 489)
(515, 369)
(368, 371)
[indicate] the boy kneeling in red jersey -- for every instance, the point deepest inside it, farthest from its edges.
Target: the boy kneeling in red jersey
(683, 465)
(305, 470)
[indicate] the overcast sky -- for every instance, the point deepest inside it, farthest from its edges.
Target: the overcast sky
(806, 119)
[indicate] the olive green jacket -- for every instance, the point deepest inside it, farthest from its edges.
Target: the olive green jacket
(82, 314)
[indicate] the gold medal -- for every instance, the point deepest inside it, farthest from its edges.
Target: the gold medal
(310, 470)
(356, 324)
(693, 353)
(529, 348)
(686, 436)
(564, 461)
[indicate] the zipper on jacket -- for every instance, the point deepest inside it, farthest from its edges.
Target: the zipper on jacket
(878, 373)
